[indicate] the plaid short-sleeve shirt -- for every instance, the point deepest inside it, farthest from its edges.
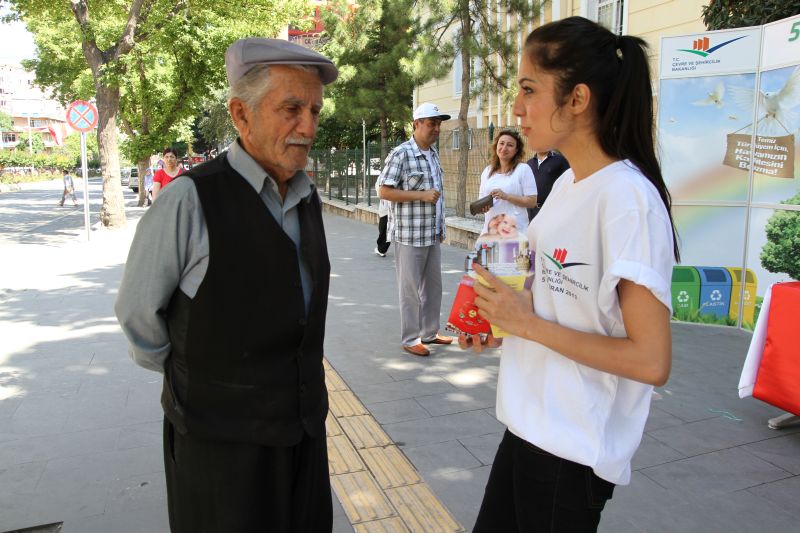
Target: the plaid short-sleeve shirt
(407, 169)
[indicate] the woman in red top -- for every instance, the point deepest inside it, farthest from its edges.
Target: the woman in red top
(170, 171)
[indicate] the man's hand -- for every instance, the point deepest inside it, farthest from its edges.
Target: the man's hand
(430, 196)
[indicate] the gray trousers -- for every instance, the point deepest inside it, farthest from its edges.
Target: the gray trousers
(419, 281)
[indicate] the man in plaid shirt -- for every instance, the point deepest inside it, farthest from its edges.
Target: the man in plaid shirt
(412, 180)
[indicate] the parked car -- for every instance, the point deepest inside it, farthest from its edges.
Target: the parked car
(133, 180)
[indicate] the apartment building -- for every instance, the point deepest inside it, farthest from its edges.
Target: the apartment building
(31, 109)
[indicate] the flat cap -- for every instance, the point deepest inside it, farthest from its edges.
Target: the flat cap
(245, 54)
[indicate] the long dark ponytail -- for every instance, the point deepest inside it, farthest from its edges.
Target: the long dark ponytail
(615, 68)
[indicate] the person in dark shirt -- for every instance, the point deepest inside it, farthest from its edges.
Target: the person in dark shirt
(547, 167)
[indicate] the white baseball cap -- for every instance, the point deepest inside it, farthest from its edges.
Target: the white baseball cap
(429, 110)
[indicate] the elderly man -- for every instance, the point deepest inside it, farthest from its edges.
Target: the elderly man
(412, 180)
(225, 291)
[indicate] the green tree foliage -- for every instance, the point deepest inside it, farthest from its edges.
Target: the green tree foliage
(725, 14)
(782, 251)
(6, 121)
(468, 29)
(71, 148)
(373, 45)
(36, 142)
(147, 62)
(214, 124)
(42, 163)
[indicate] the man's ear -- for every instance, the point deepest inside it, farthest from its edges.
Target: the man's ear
(579, 99)
(240, 114)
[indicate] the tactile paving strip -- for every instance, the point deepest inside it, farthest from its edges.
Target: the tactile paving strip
(387, 525)
(379, 489)
(390, 467)
(364, 431)
(363, 499)
(344, 403)
(419, 508)
(342, 458)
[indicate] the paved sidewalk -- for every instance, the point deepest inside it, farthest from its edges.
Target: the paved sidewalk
(80, 424)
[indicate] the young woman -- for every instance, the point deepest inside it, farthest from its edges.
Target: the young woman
(592, 337)
(170, 171)
(509, 180)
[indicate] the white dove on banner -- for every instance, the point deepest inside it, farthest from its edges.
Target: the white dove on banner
(714, 97)
(775, 115)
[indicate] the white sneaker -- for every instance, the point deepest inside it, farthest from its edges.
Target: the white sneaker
(378, 252)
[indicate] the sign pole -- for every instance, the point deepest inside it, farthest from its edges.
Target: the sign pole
(85, 172)
(82, 116)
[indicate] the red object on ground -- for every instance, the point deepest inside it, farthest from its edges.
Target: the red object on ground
(778, 379)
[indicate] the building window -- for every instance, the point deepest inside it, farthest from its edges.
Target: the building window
(38, 122)
(457, 75)
(608, 13)
(456, 139)
(9, 137)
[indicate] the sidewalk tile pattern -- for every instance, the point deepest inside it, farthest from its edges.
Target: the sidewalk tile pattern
(379, 489)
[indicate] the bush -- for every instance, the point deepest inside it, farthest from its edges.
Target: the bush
(18, 166)
(781, 254)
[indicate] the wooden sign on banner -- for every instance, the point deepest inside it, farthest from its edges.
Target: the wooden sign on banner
(773, 156)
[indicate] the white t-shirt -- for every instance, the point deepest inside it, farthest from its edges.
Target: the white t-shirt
(589, 235)
(437, 183)
(519, 182)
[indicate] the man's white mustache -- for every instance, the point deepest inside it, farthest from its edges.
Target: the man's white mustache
(305, 141)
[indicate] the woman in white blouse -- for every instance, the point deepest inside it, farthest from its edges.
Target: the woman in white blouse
(509, 180)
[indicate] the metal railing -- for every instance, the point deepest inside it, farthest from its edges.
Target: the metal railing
(340, 174)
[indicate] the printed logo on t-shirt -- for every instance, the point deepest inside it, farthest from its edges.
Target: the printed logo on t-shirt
(558, 257)
(556, 279)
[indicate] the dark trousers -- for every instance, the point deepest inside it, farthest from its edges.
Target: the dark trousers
(232, 487)
(383, 245)
(531, 490)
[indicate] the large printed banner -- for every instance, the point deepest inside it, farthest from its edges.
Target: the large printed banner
(729, 113)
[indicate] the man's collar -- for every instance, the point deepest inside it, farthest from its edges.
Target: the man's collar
(417, 150)
(251, 171)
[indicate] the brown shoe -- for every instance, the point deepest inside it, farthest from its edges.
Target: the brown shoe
(417, 349)
(439, 339)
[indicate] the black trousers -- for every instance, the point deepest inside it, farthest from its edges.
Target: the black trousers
(230, 487)
(383, 245)
(531, 490)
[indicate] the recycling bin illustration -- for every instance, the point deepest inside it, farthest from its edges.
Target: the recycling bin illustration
(685, 291)
(715, 291)
(750, 285)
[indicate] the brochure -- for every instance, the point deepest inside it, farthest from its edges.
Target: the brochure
(508, 257)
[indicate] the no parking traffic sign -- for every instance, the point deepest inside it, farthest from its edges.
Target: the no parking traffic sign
(82, 116)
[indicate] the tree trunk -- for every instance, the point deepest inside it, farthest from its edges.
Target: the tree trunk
(112, 212)
(463, 125)
(143, 164)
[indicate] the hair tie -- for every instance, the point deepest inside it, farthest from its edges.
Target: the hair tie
(618, 46)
